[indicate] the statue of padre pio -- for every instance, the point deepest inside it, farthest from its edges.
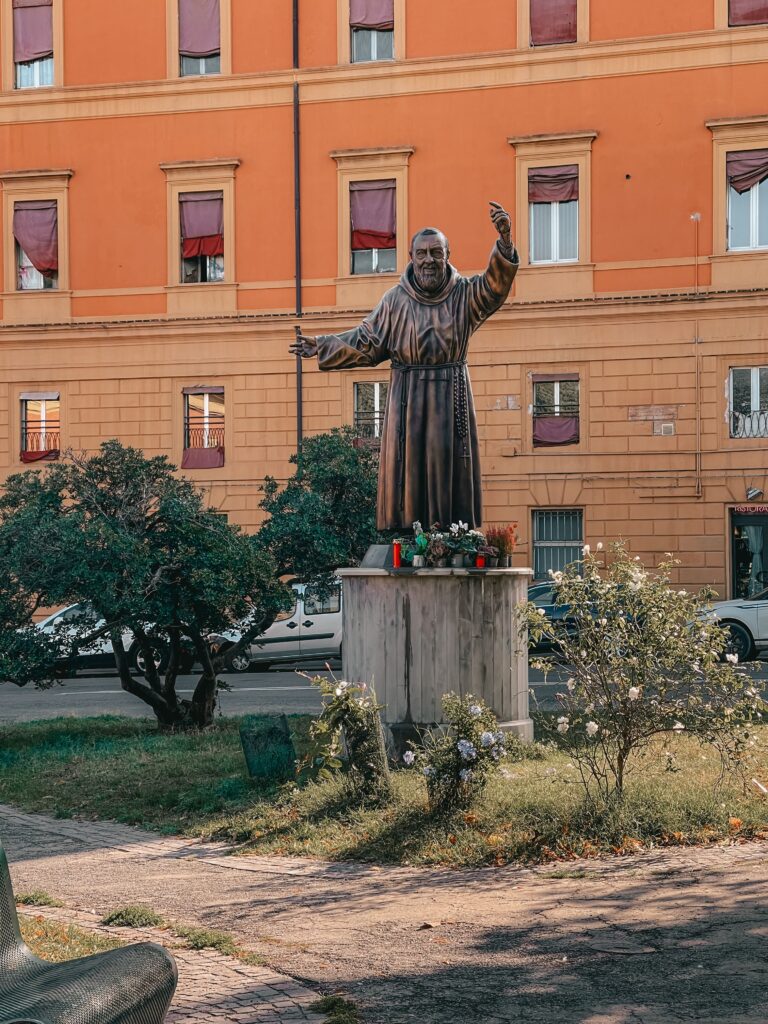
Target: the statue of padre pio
(430, 467)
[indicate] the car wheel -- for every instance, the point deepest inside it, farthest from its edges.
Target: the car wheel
(740, 641)
(161, 657)
(239, 662)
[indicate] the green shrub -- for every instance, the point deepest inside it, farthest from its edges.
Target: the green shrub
(134, 915)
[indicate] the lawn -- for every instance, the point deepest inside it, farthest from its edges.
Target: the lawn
(196, 784)
(54, 941)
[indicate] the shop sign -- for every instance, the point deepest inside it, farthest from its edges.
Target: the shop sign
(762, 509)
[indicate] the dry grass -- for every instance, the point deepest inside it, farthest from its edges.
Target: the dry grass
(56, 942)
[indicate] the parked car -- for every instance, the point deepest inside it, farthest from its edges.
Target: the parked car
(311, 629)
(746, 619)
(99, 653)
(543, 596)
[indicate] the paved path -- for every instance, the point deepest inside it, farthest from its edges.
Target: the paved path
(669, 936)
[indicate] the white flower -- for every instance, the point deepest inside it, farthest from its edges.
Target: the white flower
(589, 708)
(571, 684)
(475, 710)
(599, 545)
(592, 729)
(409, 757)
(541, 611)
(603, 622)
(586, 549)
(466, 750)
(634, 693)
(563, 724)
(465, 774)
(733, 658)
(428, 771)
(417, 528)
(582, 654)
(487, 739)
(678, 727)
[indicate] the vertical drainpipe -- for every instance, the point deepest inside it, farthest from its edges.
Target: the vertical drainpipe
(297, 225)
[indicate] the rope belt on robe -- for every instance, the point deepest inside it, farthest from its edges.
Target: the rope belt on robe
(460, 410)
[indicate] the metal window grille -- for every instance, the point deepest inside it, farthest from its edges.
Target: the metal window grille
(556, 398)
(370, 406)
(748, 413)
(558, 537)
(40, 425)
(203, 421)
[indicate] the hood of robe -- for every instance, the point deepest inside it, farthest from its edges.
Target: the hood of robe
(408, 283)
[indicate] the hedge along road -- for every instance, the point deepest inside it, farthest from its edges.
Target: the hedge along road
(252, 692)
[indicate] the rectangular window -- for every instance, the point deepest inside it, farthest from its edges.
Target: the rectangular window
(558, 537)
(201, 217)
(36, 234)
(553, 21)
(372, 24)
(33, 43)
(203, 427)
(749, 401)
(318, 601)
(555, 410)
(199, 37)
(370, 406)
(40, 426)
(747, 199)
(747, 12)
(372, 207)
(553, 200)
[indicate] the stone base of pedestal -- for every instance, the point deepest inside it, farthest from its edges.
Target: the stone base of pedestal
(415, 635)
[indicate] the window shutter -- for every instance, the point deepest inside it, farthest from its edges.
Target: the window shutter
(748, 12)
(372, 213)
(199, 28)
(746, 169)
(372, 14)
(32, 30)
(553, 184)
(35, 228)
(202, 224)
(552, 21)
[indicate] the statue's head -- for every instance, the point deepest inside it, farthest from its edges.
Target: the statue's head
(429, 254)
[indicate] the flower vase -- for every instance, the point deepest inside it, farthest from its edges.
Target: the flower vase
(441, 563)
(419, 561)
(493, 562)
(506, 562)
(457, 561)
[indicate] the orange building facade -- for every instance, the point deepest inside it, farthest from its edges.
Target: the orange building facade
(170, 215)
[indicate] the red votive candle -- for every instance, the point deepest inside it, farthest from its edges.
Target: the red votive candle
(396, 554)
(480, 562)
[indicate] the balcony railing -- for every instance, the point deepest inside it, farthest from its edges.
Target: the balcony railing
(203, 437)
(563, 409)
(750, 424)
(368, 425)
(41, 440)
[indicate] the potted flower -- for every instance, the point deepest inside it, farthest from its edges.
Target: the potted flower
(491, 555)
(505, 539)
(457, 543)
(418, 549)
(438, 550)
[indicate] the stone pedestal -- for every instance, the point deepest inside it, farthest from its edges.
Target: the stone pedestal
(417, 634)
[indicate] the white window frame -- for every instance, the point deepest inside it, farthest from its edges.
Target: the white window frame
(554, 234)
(754, 220)
(206, 426)
(203, 66)
(374, 262)
(754, 403)
(374, 33)
(43, 420)
(36, 282)
(42, 68)
(378, 407)
(556, 403)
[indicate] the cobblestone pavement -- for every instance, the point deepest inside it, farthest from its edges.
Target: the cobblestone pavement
(669, 936)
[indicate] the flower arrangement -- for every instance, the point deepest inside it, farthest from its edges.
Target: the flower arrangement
(504, 538)
(349, 722)
(458, 759)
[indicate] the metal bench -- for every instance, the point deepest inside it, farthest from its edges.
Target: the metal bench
(130, 985)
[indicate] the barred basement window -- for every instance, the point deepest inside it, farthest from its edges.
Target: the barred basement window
(558, 537)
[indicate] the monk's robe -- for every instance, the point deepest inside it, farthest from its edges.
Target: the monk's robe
(430, 465)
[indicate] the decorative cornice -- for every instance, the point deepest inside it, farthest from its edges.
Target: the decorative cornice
(36, 175)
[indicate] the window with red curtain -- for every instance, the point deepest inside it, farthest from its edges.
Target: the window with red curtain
(553, 198)
(40, 426)
(555, 409)
(373, 224)
(199, 37)
(747, 12)
(36, 230)
(747, 174)
(203, 427)
(372, 23)
(553, 21)
(33, 42)
(201, 218)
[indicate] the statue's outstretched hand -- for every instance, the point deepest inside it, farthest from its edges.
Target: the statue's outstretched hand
(304, 346)
(502, 222)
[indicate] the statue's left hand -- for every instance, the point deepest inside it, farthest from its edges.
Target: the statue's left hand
(502, 222)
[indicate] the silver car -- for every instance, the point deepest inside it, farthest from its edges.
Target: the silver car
(746, 619)
(309, 630)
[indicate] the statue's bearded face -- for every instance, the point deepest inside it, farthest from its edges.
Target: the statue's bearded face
(429, 255)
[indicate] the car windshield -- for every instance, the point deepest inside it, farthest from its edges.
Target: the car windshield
(760, 596)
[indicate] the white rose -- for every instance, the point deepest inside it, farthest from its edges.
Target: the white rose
(563, 724)
(634, 693)
(733, 658)
(586, 549)
(592, 729)
(678, 727)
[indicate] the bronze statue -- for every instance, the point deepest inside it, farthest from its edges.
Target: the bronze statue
(430, 467)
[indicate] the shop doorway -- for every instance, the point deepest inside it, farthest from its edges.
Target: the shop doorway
(749, 552)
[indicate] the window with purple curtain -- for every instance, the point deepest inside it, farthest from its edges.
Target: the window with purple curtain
(201, 218)
(35, 229)
(203, 427)
(553, 21)
(33, 43)
(372, 207)
(747, 12)
(747, 174)
(555, 409)
(199, 37)
(553, 198)
(372, 24)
